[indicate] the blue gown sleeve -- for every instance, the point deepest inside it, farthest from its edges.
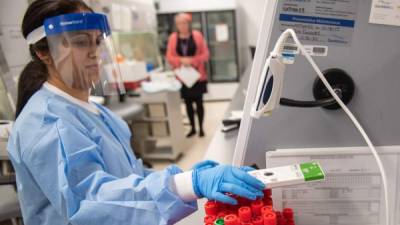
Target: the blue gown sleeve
(69, 168)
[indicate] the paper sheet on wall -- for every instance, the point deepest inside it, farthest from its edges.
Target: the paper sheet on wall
(221, 32)
(385, 12)
(121, 18)
(188, 75)
(116, 17)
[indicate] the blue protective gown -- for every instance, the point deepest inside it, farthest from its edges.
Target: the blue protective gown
(76, 167)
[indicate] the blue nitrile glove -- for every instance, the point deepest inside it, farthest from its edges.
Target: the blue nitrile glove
(206, 164)
(214, 182)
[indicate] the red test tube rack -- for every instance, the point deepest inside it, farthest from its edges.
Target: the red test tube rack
(247, 212)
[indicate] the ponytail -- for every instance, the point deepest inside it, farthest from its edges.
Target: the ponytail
(30, 81)
(35, 72)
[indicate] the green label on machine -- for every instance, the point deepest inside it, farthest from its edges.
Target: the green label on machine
(312, 171)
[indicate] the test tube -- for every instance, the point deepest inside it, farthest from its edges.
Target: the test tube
(288, 213)
(210, 219)
(211, 208)
(257, 220)
(256, 207)
(270, 218)
(266, 209)
(219, 222)
(244, 214)
(231, 219)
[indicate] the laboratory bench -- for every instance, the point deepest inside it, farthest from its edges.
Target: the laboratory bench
(127, 109)
(156, 121)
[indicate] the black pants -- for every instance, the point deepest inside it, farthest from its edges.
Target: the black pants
(190, 111)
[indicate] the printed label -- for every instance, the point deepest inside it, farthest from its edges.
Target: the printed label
(323, 22)
(313, 50)
(385, 12)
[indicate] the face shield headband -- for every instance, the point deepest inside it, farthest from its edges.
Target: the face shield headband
(82, 51)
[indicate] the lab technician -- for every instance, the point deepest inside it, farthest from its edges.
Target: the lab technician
(73, 159)
(187, 47)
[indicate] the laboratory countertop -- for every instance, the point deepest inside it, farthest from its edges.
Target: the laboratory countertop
(127, 110)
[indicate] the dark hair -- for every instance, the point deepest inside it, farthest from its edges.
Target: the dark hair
(35, 72)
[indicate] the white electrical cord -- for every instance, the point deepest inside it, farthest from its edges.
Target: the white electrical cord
(292, 33)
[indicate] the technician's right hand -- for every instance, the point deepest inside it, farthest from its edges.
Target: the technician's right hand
(213, 183)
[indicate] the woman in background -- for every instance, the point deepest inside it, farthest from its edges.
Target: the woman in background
(187, 47)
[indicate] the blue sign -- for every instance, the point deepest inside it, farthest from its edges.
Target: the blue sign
(317, 20)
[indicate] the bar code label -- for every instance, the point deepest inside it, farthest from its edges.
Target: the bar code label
(316, 50)
(291, 49)
(313, 50)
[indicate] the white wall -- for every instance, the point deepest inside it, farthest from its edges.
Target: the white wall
(249, 13)
(12, 42)
(167, 6)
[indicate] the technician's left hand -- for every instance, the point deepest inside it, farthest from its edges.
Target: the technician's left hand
(214, 182)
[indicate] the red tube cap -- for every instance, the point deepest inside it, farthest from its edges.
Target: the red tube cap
(266, 209)
(270, 218)
(222, 214)
(209, 219)
(290, 222)
(267, 193)
(243, 201)
(211, 208)
(288, 213)
(231, 219)
(257, 220)
(268, 201)
(245, 214)
(256, 207)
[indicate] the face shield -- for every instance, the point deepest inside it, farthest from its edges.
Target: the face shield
(82, 51)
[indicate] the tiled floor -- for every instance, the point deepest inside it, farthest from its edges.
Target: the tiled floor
(198, 146)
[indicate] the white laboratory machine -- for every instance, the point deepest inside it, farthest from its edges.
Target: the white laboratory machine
(355, 45)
